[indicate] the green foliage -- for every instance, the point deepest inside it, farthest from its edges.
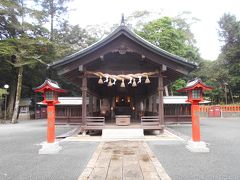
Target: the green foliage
(10, 11)
(71, 38)
(172, 35)
(22, 51)
(3, 92)
(178, 84)
(229, 60)
(52, 11)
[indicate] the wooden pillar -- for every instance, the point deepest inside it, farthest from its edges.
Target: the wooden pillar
(154, 104)
(160, 97)
(150, 108)
(90, 106)
(94, 104)
(84, 99)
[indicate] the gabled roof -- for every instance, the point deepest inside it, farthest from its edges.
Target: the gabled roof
(123, 30)
(49, 84)
(195, 83)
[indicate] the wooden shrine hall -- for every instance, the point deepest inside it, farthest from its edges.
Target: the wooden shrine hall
(122, 79)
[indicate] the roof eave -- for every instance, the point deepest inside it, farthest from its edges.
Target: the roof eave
(133, 36)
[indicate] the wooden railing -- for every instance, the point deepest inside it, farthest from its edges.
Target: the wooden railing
(223, 108)
(150, 122)
(94, 122)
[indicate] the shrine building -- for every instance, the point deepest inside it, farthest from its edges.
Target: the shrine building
(121, 79)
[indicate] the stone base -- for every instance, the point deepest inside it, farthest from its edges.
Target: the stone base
(197, 146)
(50, 148)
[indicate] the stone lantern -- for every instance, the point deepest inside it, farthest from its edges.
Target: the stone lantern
(195, 91)
(50, 90)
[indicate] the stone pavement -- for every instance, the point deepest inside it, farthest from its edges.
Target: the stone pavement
(128, 160)
(166, 136)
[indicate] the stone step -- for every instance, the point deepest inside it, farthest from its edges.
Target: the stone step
(122, 133)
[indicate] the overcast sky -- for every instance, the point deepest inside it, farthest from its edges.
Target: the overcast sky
(88, 12)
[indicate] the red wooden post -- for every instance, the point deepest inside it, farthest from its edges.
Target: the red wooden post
(195, 121)
(51, 123)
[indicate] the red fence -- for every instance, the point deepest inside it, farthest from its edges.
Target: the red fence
(223, 108)
(220, 111)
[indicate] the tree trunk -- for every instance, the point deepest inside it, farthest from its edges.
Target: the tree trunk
(231, 96)
(18, 95)
(11, 99)
(52, 16)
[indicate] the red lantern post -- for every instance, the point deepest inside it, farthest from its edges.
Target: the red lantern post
(50, 90)
(195, 91)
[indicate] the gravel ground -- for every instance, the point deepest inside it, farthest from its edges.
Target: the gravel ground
(222, 162)
(19, 160)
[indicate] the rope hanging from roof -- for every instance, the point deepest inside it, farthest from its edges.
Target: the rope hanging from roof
(133, 79)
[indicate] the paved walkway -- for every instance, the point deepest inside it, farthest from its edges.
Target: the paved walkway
(166, 136)
(128, 160)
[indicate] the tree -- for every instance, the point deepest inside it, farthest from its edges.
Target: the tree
(20, 52)
(9, 23)
(169, 34)
(53, 9)
(178, 84)
(174, 36)
(71, 38)
(19, 46)
(229, 33)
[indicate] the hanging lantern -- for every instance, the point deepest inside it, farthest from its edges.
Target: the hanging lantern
(110, 83)
(134, 84)
(100, 81)
(147, 81)
(122, 83)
